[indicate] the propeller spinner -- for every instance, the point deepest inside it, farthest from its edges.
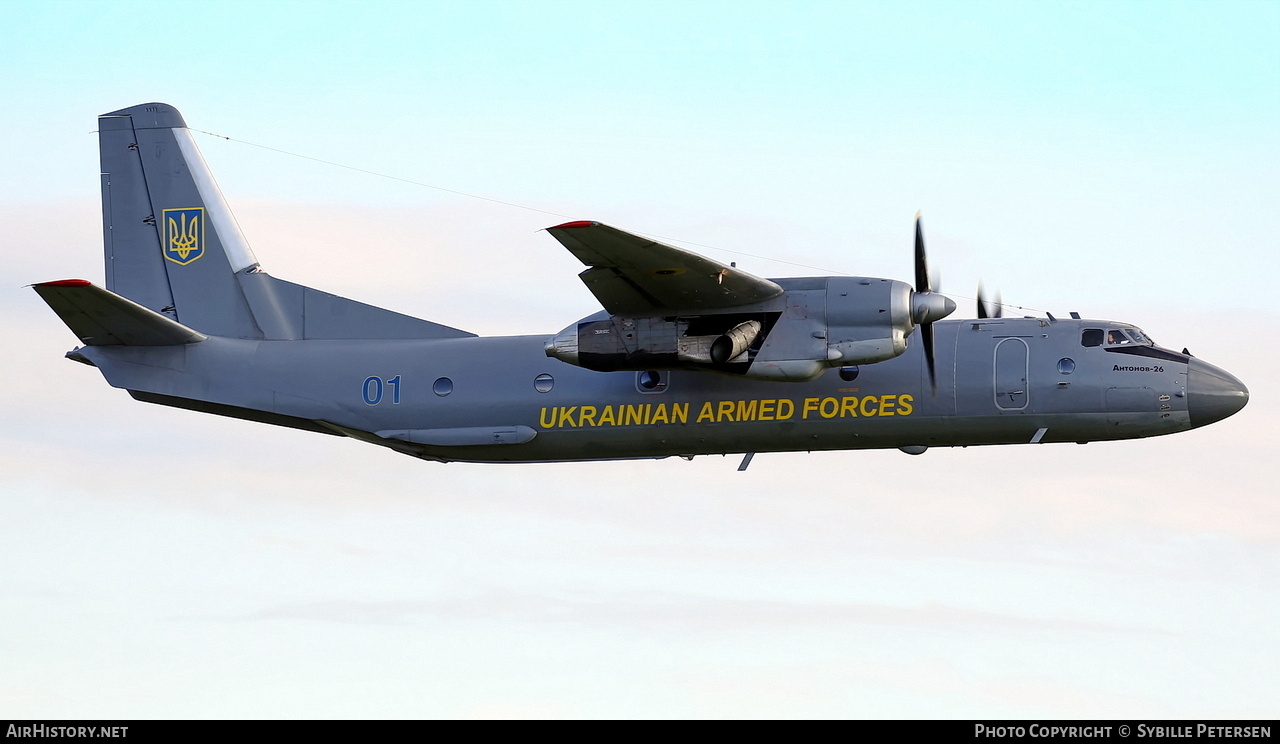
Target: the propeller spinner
(927, 306)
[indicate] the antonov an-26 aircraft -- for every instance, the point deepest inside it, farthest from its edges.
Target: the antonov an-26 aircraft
(689, 356)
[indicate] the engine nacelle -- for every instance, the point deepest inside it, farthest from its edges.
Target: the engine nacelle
(868, 320)
(819, 323)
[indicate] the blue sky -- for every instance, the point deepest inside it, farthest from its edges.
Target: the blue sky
(1120, 159)
(1090, 132)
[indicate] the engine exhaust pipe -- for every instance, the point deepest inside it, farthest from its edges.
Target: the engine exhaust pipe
(736, 341)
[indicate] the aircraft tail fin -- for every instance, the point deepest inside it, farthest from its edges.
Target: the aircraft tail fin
(170, 241)
(103, 318)
(172, 245)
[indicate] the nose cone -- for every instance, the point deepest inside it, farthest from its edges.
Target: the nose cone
(1212, 393)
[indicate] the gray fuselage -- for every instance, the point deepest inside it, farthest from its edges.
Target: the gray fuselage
(501, 399)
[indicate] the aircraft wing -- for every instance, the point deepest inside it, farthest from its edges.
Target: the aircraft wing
(632, 275)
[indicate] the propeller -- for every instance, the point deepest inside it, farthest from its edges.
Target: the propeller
(927, 306)
(993, 309)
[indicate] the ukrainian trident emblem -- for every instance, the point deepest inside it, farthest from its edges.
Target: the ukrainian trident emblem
(183, 234)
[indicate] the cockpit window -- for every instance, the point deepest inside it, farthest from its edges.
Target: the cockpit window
(1139, 337)
(1117, 337)
(1091, 337)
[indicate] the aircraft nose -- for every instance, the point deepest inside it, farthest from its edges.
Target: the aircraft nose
(1212, 393)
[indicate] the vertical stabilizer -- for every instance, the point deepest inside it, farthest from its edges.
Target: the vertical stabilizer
(172, 246)
(170, 241)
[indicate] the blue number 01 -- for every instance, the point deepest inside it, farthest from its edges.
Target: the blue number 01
(372, 390)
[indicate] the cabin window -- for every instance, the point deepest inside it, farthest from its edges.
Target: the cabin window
(651, 381)
(850, 373)
(442, 386)
(543, 383)
(1066, 365)
(1091, 337)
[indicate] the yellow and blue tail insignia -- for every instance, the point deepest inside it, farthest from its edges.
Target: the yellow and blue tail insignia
(183, 234)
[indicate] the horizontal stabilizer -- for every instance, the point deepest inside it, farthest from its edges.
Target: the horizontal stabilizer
(103, 318)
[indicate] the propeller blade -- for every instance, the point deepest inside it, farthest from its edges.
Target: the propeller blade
(992, 309)
(926, 336)
(922, 266)
(927, 306)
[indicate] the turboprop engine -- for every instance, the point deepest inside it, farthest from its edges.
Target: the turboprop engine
(794, 329)
(816, 324)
